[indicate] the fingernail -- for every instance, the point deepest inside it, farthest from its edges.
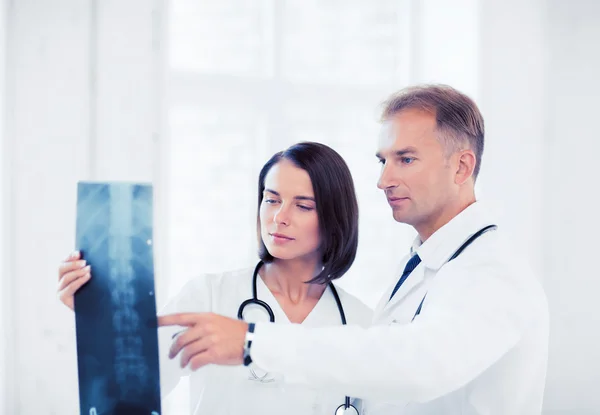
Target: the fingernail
(81, 263)
(74, 254)
(88, 268)
(177, 334)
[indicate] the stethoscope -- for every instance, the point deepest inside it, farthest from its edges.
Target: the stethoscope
(457, 253)
(342, 409)
(346, 408)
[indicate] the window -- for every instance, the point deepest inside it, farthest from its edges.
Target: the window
(247, 79)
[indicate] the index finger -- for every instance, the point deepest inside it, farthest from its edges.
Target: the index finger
(73, 256)
(178, 319)
(70, 266)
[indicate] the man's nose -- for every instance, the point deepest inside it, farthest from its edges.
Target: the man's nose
(386, 178)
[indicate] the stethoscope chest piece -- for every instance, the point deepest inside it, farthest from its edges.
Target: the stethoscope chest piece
(350, 410)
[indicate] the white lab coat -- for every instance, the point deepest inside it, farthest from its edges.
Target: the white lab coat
(479, 345)
(217, 390)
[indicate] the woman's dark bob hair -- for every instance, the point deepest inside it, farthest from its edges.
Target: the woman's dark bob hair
(336, 204)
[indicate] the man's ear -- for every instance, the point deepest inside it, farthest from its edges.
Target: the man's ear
(466, 166)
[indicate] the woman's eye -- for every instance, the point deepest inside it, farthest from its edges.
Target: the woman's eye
(305, 207)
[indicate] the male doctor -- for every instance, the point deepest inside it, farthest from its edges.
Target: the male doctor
(464, 328)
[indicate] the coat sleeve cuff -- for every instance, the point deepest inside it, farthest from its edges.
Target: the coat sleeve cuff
(274, 347)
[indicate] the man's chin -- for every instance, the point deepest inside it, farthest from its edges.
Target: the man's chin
(401, 217)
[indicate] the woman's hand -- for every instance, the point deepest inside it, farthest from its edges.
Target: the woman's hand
(72, 274)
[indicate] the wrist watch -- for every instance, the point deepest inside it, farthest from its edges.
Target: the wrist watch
(248, 343)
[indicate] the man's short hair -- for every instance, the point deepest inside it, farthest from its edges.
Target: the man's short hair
(459, 122)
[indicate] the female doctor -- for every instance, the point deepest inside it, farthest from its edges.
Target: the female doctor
(307, 229)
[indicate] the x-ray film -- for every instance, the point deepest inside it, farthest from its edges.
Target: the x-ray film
(115, 312)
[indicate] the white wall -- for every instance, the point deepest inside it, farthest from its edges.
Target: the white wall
(539, 89)
(512, 70)
(572, 145)
(83, 106)
(47, 72)
(3, 288)
(49, 150)
(445, 44)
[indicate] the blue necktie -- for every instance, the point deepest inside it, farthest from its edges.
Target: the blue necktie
(410, 266)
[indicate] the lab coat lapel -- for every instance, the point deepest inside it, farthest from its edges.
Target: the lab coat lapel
(383, 301)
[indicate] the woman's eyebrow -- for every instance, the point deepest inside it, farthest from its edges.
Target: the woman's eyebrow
(312, 199)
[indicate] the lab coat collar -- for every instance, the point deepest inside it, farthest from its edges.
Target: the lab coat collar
(440, 246)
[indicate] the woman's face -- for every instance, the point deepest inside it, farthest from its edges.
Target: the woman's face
(289, 224)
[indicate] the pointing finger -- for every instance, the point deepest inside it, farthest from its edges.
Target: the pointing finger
(178, 319)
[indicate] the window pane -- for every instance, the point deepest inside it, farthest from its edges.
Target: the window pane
(213, 170)
(225, 36)
(324, 67)
(352, 42)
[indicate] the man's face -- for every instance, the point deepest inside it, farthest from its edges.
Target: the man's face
(416, 175)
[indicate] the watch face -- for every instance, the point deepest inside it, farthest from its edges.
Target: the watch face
(247, 358)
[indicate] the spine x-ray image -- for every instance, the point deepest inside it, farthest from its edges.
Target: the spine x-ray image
(115, 312)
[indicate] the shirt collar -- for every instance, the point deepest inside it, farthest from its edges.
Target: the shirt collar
(440, 246)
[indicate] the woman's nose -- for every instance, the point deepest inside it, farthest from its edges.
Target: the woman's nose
(282, 216)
